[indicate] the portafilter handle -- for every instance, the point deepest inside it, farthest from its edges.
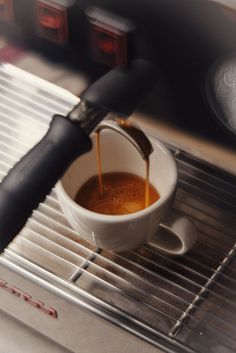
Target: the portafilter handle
(32, 178)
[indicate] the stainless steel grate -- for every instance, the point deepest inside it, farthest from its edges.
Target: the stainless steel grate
(189, 301)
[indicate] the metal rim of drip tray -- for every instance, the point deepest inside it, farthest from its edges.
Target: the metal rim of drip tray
(179, 304)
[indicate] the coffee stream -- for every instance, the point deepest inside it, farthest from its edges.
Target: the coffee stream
(99, 164)
(116, 193)
(99, 167)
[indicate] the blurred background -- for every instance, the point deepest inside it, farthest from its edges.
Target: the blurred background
(192, 107)
(191, 43)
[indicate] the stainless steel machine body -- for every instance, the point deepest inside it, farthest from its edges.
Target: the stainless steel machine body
(72, 292)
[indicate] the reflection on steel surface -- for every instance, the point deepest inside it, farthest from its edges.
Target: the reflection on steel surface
(188, 301)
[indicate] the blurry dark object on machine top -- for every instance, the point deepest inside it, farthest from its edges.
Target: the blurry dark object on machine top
(183, 38)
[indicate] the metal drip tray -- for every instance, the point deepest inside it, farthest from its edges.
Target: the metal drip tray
(179, 304)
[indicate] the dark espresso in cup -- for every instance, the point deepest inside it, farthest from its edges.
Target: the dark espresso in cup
(116, 193)
(122, 193)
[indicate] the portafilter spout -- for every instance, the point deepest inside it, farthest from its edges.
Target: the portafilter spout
(131, 132)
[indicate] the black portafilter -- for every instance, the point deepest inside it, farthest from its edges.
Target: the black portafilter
(32, 178)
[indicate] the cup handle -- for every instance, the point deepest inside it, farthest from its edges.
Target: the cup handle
(176, 235)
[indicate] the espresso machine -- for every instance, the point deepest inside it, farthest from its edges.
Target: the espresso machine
(61, 286)
(190, 43)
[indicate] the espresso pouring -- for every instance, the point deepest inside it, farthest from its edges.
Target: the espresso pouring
(116, 193)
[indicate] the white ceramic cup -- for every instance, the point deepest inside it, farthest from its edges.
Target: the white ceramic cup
(176, 235)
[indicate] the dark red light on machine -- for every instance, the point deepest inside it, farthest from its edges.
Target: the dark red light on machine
(108, 47)
(110, 37)
(52, 22)
(6, 10)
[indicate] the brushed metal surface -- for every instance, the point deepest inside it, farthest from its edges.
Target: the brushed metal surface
(181, 304)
